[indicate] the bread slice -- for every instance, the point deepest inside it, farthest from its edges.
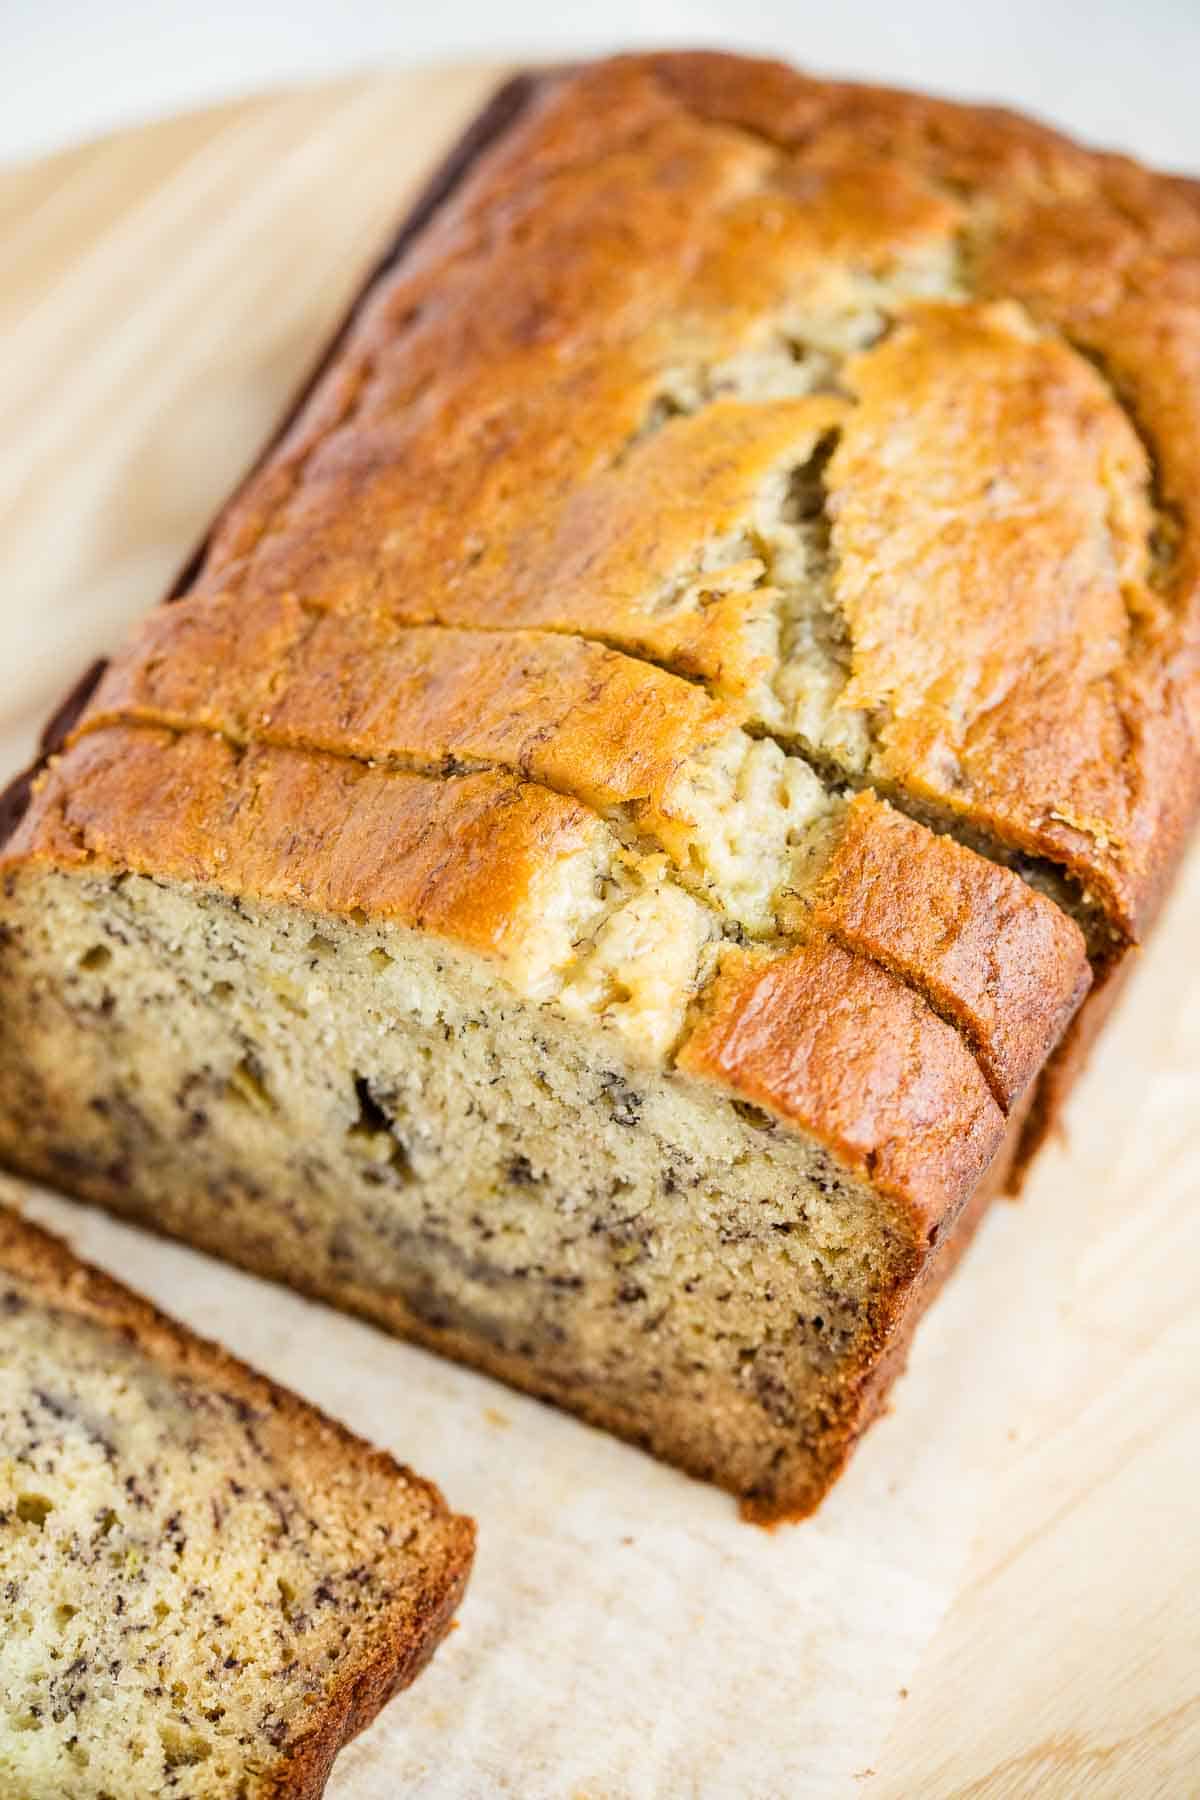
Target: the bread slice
(207, 1587)
(592, 861)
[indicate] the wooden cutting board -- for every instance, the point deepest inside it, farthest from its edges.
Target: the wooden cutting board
(162, 292)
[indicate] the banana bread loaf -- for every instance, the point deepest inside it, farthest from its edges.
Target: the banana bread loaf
(589, 867)
(208, 1587)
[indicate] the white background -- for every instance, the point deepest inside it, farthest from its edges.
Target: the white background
(1119, 72)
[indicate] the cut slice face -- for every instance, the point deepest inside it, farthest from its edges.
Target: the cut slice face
(208, 1587)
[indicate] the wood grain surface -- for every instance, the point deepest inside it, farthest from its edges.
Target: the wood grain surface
(161, 294)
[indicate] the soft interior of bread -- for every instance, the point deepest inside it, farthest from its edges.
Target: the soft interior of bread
(364, 1113)
(174, 1599)
(745, 827)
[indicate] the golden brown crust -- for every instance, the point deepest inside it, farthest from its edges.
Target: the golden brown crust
(566, 712)
(842, 1049)
(692, 171)
(398, 1647)
(430, 477)
(994, 958)
(1018, 719)
(461, 858)
(1106, 254)
(647, 553)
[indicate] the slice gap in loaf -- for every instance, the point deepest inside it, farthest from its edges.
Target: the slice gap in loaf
(207, 1586)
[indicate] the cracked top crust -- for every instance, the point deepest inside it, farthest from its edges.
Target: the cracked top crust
(572, 404)
(721, 428)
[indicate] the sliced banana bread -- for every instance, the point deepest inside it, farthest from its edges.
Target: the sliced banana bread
(591, 866)
(206, 1587)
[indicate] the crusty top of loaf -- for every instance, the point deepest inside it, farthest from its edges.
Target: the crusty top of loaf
(1012, 497)
(533, 543)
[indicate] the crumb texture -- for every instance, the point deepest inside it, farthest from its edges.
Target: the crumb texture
(367, 1114)
(194, 1571)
